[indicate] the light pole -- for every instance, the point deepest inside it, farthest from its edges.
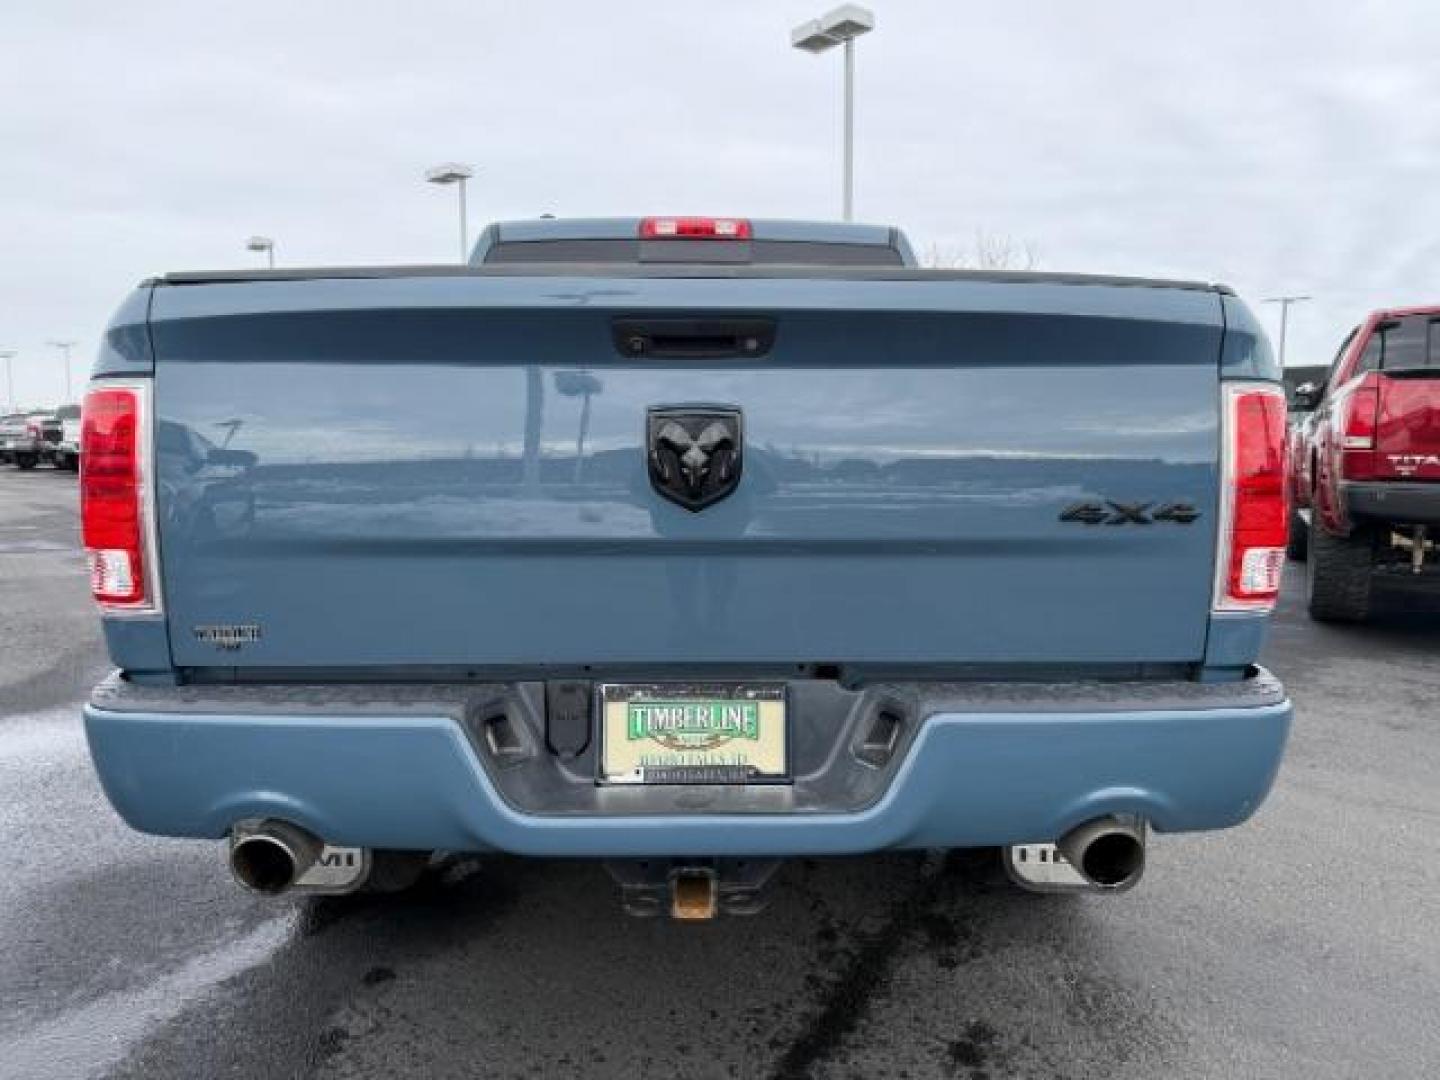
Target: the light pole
(841, 26)
(583, 385)
(453, 172)
(8, 355)
(1285, 302)
(65, 347)
(265, 244)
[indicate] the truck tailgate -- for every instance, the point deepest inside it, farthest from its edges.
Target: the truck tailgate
(1408, 425)
(432, 470)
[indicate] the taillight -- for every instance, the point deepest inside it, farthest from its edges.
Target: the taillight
(1254, 513)
(115, 514)
(32, 431)
(1360, 409)
(694, 228)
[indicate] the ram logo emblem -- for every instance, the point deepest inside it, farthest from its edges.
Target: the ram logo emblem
(695, 452)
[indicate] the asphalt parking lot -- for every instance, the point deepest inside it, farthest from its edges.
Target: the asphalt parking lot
(1301, 945)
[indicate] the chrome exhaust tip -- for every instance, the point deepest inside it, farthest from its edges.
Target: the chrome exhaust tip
(1108, 852)
(272, 856)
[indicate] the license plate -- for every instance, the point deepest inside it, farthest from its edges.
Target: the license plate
(694, 734)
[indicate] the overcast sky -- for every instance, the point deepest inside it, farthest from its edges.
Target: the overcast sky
(1279, 147)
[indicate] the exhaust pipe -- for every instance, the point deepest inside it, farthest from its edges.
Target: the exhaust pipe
(271, 857)
(1108, 852)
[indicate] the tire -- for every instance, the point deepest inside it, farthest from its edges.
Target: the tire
(1340, 573)
(25, 461)
(1298, 546)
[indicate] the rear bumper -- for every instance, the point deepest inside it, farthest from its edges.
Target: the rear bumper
(405, 771)
(1401, 503)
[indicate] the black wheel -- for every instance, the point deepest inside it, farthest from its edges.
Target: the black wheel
(26, 461)
(1340, 573)
(1299, 543)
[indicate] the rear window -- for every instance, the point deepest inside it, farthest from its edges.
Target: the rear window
(725, 252)
(1403, 344)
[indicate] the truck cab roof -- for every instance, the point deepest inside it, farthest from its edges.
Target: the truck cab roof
(730, 240)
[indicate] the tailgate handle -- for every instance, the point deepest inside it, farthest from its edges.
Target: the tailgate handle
(693, 338)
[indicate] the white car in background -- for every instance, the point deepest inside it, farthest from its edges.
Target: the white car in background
(66, 454)
(26, 439)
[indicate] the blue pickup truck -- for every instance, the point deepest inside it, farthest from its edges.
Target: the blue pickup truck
(686, 545)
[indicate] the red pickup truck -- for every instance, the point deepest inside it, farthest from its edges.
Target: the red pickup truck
(1369, 471)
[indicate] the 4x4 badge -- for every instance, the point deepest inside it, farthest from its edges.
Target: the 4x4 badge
(1111, 512)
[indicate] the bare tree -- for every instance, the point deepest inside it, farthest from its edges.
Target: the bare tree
(990, 251)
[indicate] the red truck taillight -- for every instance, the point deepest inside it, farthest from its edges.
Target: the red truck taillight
(1254, 514)
(1359, 411)
(115, 496)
